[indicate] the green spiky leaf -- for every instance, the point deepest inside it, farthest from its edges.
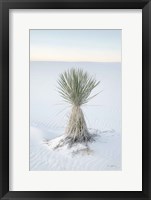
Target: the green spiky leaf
(75, 86)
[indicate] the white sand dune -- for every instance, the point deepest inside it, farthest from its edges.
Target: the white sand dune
(102, 154)
(49, 117)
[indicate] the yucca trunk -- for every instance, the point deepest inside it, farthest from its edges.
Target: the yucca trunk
(77, 130)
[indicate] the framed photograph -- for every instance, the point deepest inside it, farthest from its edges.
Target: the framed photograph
(75, 99)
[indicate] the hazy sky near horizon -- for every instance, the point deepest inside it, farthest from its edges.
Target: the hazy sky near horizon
(76, 45)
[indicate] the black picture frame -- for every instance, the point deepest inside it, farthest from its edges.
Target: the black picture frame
(5, 5)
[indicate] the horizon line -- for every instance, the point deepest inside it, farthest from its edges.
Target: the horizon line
(75, 61)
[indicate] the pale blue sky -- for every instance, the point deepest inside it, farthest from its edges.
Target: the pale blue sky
(75, 45)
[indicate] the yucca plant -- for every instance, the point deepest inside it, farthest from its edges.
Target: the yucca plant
(75, 87)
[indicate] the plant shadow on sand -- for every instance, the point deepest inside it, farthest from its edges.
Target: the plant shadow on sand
(75, 148)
